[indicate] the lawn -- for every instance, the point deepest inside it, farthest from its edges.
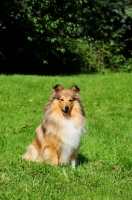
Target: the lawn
(104, 170)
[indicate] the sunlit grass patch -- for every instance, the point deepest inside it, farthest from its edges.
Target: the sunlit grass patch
(104, 168)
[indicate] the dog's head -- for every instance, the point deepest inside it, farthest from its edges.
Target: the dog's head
(66, 98)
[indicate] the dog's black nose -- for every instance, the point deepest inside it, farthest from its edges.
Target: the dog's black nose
(66, 108)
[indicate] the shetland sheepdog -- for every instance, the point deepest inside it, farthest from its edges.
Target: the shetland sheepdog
(58, 136)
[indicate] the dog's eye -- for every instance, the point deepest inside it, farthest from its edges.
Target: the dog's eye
(61, 99)
(71, 100)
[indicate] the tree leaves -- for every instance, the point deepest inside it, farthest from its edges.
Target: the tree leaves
(53, 29)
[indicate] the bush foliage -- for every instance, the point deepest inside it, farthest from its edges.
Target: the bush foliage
(52, 36)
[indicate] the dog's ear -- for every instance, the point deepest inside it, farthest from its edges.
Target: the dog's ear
(57, 88)
(74, 88)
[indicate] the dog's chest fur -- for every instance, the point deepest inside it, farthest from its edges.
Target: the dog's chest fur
(70, 138)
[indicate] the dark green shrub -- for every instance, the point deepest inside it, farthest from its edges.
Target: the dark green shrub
(52, 36)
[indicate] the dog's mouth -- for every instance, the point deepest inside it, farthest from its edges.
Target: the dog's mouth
(65, 112)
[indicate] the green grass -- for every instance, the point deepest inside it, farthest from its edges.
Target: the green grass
(104, 171)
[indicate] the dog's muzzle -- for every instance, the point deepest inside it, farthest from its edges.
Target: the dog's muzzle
(66, 110)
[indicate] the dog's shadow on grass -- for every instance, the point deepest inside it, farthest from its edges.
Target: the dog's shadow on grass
(82, 159)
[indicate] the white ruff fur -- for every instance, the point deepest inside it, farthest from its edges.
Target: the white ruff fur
(70, 137)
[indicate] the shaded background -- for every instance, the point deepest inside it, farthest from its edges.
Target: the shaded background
(65, 37)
